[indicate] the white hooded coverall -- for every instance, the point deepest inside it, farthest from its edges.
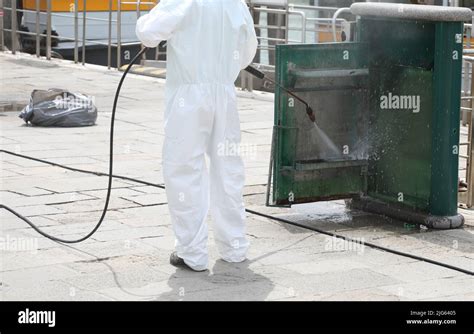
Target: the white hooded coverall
(209, 42)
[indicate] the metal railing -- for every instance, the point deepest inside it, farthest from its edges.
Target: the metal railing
(467, 117)
(313, 15)
(311, 21)
(322, 24)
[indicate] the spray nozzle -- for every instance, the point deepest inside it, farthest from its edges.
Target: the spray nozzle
(311, 114)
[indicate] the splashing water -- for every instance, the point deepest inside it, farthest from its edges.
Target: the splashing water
(360, 150)
(326, 147)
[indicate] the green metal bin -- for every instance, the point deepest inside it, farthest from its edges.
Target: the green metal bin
(388, 102)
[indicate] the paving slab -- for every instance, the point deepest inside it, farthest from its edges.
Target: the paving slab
(128, 257)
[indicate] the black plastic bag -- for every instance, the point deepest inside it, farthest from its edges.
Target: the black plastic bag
(59, 107)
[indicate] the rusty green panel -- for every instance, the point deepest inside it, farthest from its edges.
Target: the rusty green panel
(333, 78)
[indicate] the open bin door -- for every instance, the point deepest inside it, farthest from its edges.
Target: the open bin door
(328, 161)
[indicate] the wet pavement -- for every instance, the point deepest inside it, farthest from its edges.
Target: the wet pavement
(127, 259)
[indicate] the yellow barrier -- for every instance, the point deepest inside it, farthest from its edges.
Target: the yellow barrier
(91, 5)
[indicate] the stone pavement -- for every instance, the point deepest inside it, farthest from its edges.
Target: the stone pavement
(127, 259)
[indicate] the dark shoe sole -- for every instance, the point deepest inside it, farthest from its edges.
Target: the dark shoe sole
(178, 262)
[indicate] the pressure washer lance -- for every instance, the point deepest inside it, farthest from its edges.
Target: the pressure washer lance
(318, 138)
(259, 74)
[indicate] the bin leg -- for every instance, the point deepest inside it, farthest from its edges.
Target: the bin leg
(446, 120)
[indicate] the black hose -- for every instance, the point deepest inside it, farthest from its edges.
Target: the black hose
(110, 174)
(85, 171)
(109, 189)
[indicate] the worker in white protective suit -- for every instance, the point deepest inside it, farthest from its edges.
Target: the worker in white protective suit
(208, 43)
